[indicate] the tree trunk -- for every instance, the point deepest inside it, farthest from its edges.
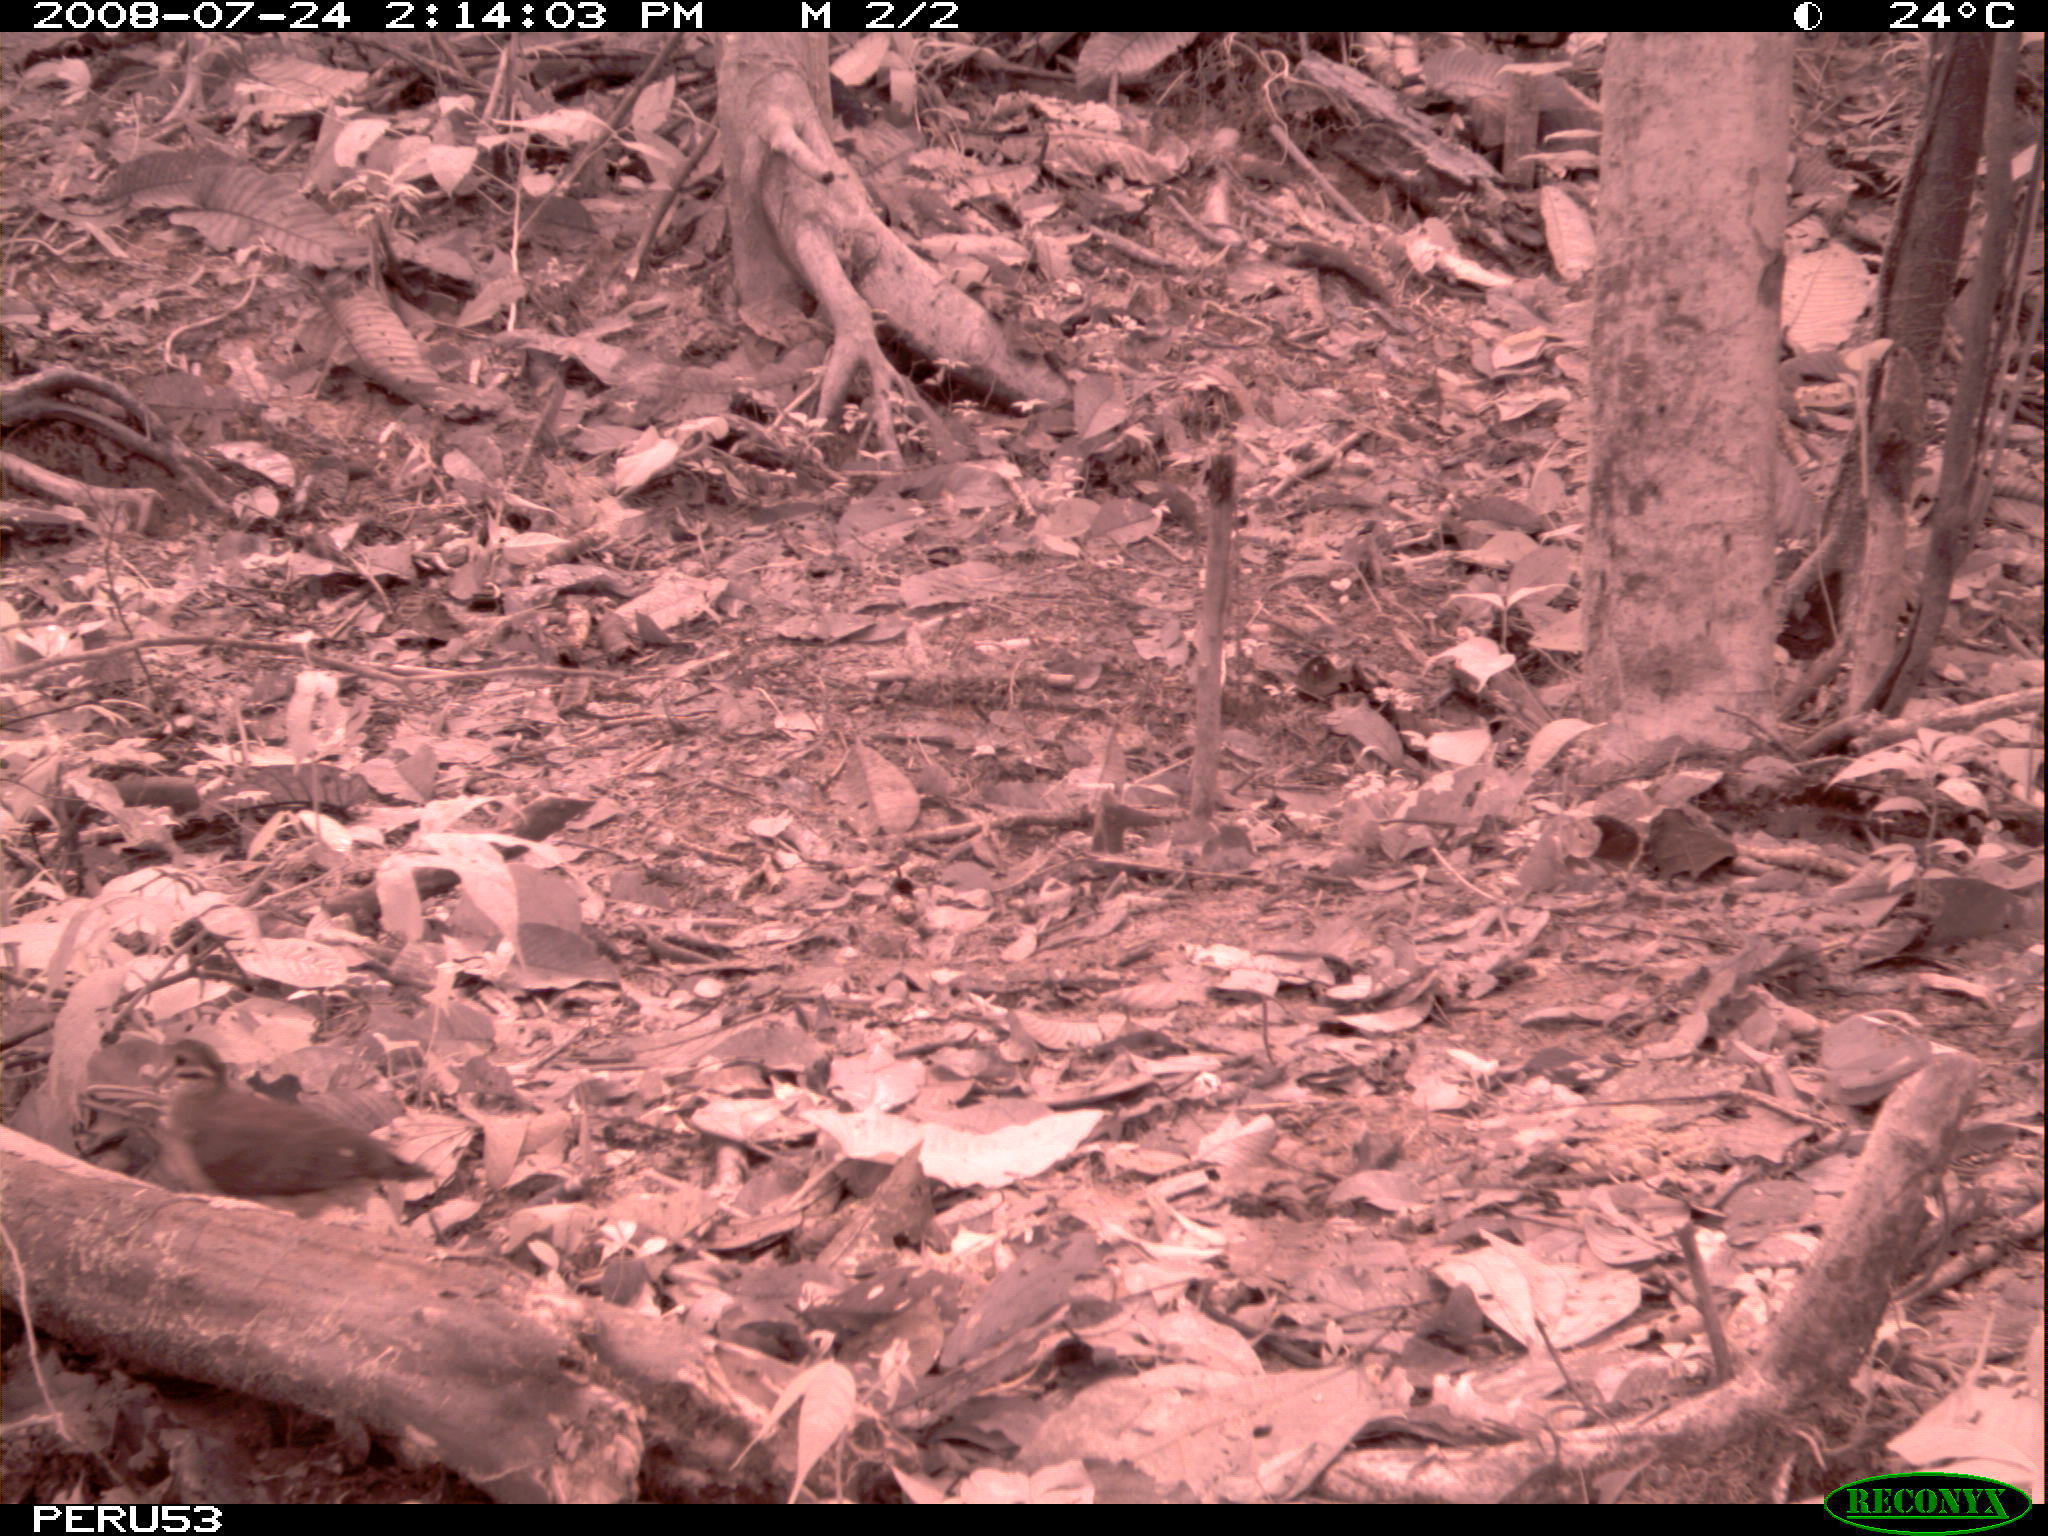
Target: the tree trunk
(533, 1396)
(1685, 395)
(801, 217)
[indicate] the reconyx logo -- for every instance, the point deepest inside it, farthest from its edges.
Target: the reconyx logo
(1948, 1503)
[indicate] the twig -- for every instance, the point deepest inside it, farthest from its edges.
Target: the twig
(1209, 634)
(1703, 1299)
(193, 325)
(279, 648)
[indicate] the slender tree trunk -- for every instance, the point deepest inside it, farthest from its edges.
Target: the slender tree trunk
(1685, 397)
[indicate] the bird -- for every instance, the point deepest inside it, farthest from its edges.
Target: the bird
(222, 1139)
